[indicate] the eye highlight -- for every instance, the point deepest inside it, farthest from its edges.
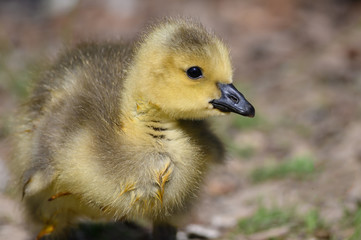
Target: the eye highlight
(194, 72)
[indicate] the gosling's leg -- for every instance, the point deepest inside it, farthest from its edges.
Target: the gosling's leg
(47, 230)
(49, 227)
(164, 231)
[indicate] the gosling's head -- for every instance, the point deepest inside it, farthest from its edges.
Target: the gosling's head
(185, 71)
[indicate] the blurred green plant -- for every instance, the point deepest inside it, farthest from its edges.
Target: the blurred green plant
(353, 219)
(4, 126)
(245, 152)
(16, 74)
(265, 218)
(242, 152)
(356, 235)
(299, 167)
(248, 123)
(312, 221)
(15, 82)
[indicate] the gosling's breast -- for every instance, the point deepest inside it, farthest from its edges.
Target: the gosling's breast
(151, 178)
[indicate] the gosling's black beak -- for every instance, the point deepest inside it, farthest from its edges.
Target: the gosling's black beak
(233, 101)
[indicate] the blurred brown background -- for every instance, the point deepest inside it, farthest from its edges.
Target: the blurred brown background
(293, 172)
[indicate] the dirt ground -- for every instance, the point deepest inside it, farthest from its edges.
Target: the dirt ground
(298, 62)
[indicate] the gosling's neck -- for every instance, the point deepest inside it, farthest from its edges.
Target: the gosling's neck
(145, 122)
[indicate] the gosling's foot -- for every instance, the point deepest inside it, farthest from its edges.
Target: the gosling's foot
(164, 232)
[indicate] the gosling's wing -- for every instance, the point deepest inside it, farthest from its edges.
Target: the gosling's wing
(81, 90)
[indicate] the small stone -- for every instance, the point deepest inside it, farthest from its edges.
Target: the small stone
(223, 222)
(323, 234)
(221, 186)
(195, 230)
(182, 235)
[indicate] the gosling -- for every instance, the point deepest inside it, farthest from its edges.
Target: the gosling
(117, 131)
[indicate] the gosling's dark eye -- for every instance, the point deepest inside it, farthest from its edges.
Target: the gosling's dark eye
(194, 72)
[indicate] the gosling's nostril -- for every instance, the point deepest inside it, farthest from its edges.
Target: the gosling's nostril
(233, 99)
